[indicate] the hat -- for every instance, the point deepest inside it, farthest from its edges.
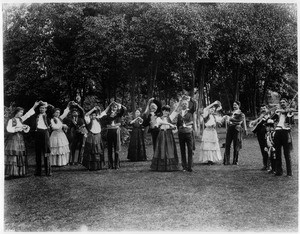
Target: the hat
(270, 123)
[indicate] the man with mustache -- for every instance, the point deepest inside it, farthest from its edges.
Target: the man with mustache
(282, 137)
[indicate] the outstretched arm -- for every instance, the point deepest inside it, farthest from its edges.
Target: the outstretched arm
(122, 109)
(66, 111)
(148, 106)
(30, 112)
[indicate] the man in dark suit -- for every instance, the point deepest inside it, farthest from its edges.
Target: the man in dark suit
(260, 131)
(236, 126)
(282, 138)
(185, 133)
(76, 133)
(153, 110)
(41, 128)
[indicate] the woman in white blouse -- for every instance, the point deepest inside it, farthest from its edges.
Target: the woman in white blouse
(59, 144)
(15, 152)
(165, 156)
(93, 155)
(210, 152)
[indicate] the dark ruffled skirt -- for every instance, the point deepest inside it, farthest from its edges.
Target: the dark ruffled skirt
(15, 155)
(165, 156)
(136, 148)
(93, 156)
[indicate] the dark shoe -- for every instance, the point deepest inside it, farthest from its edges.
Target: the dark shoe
(289, 175)
(190, 170)
(264, 169)
(234, 163)
(36, 174)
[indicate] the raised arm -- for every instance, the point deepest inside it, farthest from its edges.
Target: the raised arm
(122, 109)
(66, 111)
(148, 106)
(30, 112)
(87, 115)
(81, 109)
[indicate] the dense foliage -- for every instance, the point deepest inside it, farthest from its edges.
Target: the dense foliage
(133, 51)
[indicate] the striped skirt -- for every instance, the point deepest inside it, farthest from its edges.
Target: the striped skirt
(15, 155)
(93, 156)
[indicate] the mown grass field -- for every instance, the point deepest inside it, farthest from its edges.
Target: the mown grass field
(212, 198)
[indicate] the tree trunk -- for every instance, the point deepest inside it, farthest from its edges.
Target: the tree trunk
(255, 91)
(123, 96)
(227, 96)
(193, 85)
(237, 87)
(83, 91)
(200, 97)
(132, 91)
(265, 88)
(152, 76)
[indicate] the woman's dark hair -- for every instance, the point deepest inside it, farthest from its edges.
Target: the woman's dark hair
(166, 108)
(18, 109)
(238, 102)
(56, 109)
(110, 109)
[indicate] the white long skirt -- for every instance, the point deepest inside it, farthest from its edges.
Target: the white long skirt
(209, 147)
(60, 151)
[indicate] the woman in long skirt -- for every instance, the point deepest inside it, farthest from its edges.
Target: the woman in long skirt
(165, 156)
(209, 147)
(59, 144)
(93, 155)
(15, 152)
(137, 149)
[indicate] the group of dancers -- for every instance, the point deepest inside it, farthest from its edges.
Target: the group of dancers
(60, 137)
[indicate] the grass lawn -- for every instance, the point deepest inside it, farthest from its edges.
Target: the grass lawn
(213, 198)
